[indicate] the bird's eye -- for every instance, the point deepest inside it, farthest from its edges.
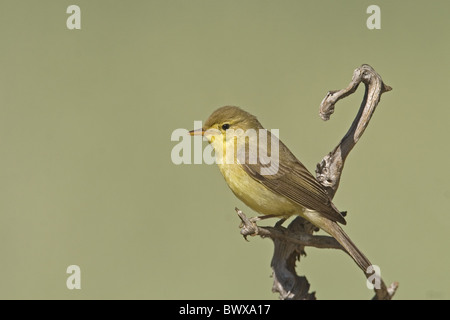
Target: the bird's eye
(225, 126)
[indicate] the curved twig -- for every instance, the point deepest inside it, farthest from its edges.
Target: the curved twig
(329, 170)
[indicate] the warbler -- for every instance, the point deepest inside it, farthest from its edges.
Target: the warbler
(275, 183)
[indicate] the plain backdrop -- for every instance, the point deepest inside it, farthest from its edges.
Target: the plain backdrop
(86, 118)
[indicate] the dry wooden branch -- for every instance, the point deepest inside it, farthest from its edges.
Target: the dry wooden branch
(289, 243)
(329, 170)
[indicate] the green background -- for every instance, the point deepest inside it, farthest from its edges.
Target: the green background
(86, 117)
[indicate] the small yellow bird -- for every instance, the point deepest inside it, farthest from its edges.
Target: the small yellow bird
(285, 190)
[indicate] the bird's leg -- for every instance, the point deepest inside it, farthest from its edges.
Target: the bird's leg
(280, 222)
(253, 220)
(267, 216)
(277, 224)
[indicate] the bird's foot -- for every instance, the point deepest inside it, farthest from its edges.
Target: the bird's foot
(248, 225)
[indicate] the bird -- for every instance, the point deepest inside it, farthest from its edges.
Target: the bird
(277, 184)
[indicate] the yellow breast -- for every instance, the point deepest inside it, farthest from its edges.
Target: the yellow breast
(256, 195)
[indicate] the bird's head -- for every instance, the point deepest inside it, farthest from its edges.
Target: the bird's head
(226, 118)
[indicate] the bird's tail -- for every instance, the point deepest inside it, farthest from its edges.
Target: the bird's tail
(361, 260)
(336, 231)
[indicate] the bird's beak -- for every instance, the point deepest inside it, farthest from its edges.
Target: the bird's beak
(197, 132)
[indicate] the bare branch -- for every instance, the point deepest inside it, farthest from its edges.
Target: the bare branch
(329, 170)
(289, 242)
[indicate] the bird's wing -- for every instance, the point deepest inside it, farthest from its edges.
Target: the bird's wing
(289, 178)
